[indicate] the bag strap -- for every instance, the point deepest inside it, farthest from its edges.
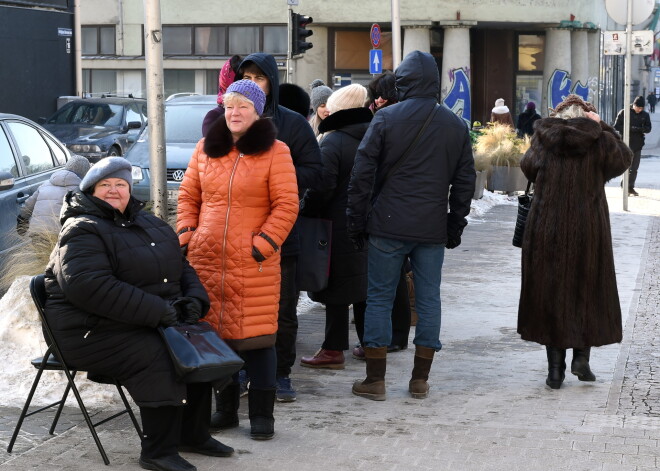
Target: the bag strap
(401, 159)
(529, 185)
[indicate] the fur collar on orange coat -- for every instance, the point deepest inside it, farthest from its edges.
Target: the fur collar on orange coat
(258, 138)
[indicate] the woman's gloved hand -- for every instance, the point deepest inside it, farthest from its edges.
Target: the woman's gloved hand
(170, 317)
(190, 309)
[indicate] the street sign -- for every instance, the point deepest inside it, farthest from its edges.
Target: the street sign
(375, 35)
(614, 43)
(618, 10)
(375, 61)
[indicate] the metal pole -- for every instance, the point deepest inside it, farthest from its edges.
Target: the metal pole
(289, 51)
(77, 47)
(626, 98)
(156, 106)
(396, 34)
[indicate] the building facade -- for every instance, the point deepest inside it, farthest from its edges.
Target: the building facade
(519, 50)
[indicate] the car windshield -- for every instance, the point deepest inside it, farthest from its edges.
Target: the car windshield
(96, 114)
(183, 123)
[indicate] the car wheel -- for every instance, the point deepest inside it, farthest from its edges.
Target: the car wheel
(114, 152)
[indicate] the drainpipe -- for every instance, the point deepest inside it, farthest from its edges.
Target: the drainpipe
(77, 47)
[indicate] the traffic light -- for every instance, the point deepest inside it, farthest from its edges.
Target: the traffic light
(300, 33)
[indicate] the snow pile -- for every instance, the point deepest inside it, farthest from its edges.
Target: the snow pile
(21, 340)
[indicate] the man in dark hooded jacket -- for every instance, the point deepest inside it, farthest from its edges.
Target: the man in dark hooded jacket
(408, 215)
(296, 133)
(640, 124)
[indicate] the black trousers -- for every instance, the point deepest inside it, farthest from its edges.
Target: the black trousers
(167, 427)
(400, 315)
(637, 157)
(336, 324)
(260, 367)
(287, 320)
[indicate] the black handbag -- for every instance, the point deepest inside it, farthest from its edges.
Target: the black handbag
(524, 203)
(313, 268)
(199, 354)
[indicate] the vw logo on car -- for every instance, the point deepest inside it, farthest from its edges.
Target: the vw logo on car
(177, 175)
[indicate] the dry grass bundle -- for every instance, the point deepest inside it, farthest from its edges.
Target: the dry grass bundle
(498, 145)
(29, 255)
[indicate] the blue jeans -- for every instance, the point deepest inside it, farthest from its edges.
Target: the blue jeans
(386, 257)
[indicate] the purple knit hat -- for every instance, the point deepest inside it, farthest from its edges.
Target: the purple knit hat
(249, 90)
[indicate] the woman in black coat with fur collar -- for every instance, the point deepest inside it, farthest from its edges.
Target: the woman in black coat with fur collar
(341, 133)
(115, 275)
(569, 295)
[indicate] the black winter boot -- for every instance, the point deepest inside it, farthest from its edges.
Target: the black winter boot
(556, 366)
(227, 402)
(580, 364)
(261, 404)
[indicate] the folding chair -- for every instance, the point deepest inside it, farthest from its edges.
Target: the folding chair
(53, 361)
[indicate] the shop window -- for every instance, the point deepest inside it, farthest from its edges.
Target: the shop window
(98, 40)
(531, 52)
(177, 40)
(528, 88)
(210, 40)
(178, 81)
(352, 50)
(99, 81)
(244, 39)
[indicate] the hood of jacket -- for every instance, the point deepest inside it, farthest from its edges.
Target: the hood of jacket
(77, 203)
(268, 66)
(417, 77)
(348, 121)
(258, 138)
(64, 177)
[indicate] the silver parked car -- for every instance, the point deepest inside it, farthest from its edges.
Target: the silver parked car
(29, 155)
(183, 129)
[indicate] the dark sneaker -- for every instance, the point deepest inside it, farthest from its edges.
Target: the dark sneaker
(632, 192)
(358, 353)
(243, 382)
(285, 391)
(166, 463)
(210, 447)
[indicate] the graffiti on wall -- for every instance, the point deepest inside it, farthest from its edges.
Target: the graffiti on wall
(458, 98)
(559, 87)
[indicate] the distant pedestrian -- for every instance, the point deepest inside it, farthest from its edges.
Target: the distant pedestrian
(342, 132)
(568, 297)
(41, 211)
(319, 98)
(652, 99)
(418, 210)
(640, 124)
(382, 93)
(226, 77)
(295, 132)
(501, 114)
(526, 120)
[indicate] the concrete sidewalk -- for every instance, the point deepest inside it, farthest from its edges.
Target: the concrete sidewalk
(489, 408)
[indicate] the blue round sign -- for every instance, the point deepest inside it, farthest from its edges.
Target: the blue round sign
(375, 35)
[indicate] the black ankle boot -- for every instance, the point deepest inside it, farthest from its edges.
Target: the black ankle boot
(261, 404)
(580, 364)
(227, 403)
(556, 366)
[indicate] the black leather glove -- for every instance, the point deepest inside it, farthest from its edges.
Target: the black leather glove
(453, 241)
(359, 240)
(191, 309)
(170, 317)
(257, 255)
(454, 230)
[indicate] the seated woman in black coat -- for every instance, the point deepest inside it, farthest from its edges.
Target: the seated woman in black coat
(116, 274)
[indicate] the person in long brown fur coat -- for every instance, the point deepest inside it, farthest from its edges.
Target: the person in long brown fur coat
(569, 297)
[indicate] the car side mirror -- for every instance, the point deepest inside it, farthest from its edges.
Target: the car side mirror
(133, 125)
(6, 181)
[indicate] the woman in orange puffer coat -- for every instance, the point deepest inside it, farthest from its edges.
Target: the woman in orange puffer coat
(237, 203)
